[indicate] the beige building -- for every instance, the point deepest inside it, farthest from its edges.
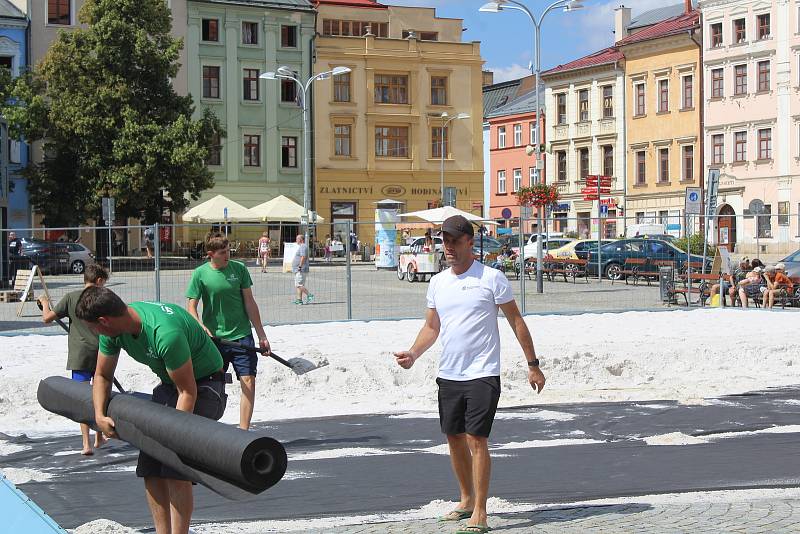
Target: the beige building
(378, 130)
(663, 81)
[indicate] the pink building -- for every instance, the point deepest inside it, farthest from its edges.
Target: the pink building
(512, 129)
(751, 59)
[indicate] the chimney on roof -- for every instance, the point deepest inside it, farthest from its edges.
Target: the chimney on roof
(689, 6)
(622, 18)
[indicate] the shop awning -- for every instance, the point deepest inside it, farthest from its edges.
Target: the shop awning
(438, 215)
(280, 208)
(219, 209)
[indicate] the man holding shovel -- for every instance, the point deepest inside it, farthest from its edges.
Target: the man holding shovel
(463, 304)
(82, 342)
(225, 288)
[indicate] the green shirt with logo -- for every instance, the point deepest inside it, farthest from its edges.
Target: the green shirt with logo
(169, 338)
(221, 293)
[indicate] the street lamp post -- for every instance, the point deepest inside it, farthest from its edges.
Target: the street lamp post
(502, 5)
(284, 73)
(441, 147)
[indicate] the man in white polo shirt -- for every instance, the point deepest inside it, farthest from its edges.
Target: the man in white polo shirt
(463, 304)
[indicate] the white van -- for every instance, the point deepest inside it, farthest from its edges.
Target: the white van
(644, 229)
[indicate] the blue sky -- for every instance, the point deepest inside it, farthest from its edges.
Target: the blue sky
(507, 38)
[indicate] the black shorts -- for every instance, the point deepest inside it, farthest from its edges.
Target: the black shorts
(468, 406)
(211, 401)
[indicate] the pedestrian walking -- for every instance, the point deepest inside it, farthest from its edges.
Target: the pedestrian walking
(82, 343)
(229, 309)
(172, 343)
(462, 310)
(328, 251)
(300, 270)
(149, 237)
(264, 251)
(353, 246)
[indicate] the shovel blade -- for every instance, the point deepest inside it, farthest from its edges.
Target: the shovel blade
(302, 366)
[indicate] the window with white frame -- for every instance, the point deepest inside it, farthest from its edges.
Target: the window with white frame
(740, 147)
(765, 143)
(501, 182)
(531, 175)
(517, 135)
(688, 163)
(517, 180)
(608, 101)
(639, 103)
(783, 214)
(533, 133)
(501, 137)
(663, 165)
(59, 12)
(688, 92)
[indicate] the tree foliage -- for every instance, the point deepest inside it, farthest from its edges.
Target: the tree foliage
(110, 124)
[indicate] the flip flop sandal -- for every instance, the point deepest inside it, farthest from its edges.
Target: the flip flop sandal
(456, 515)
(474, 529)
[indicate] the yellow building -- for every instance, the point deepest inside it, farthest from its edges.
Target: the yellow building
(663, 87)
(378, 130)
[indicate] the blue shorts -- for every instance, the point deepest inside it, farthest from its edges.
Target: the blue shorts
(82, 375)
(244, 363)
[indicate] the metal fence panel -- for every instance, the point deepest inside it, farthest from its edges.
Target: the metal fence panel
(363, 282)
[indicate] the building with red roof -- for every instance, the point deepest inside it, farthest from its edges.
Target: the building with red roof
(585, 117)
(664, 106)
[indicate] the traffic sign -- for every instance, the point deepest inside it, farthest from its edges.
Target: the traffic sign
(605, 182)
(603, 210)
(591, 180)
(108, 210)
(589, 190)
(506, 213)
(694, 201)
(712, 190)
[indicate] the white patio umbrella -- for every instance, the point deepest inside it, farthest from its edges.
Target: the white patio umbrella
(280, 208)
(438, 215)
(214, 211)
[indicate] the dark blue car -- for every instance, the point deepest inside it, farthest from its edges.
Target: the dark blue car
(613, 256)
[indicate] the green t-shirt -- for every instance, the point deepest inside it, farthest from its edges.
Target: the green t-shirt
(82, 342)
(169, 338)
(221, 293)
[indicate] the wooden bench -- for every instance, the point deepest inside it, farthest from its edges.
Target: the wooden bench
(566, 267)
(575, 268)
(632, 269)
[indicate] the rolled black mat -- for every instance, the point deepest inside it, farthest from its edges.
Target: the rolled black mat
(222, 458)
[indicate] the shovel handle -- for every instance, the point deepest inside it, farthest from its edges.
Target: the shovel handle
(252, 350)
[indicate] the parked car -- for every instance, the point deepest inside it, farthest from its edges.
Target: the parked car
(792, 262)
(50, 256)
(571, 249)
(613, 256)
(549, 243)
(490, 246)
(79, 257)
(418, 242)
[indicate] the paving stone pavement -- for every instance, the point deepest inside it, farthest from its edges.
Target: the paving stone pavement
(776, 516)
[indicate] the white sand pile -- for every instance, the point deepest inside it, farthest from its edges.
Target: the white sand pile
(103, 526)
(680, 355)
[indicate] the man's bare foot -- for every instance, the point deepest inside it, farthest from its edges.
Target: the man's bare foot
(87, 452)
(99, 440)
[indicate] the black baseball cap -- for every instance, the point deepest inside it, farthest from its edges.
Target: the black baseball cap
(458, 225)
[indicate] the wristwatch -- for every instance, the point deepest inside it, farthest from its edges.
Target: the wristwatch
(534, 363)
